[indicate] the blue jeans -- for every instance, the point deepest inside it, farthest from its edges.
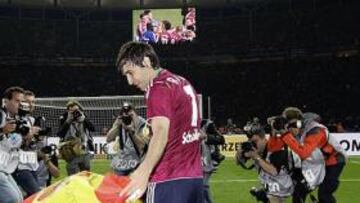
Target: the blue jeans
(9, 191)
(27, 180)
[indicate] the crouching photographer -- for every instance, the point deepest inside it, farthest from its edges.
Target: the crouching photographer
(76, 144)
(48, 163)
(270, 159)
(211, 139)
(131, 135)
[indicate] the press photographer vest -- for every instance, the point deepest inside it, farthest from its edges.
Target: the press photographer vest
(28, 159)
(280, 185)
(128, 157)
(9, 148)
(313, 167)
(206, 151)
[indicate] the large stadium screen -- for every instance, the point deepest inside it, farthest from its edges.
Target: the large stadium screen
(164, 26)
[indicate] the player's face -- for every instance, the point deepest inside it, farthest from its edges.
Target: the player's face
(136, 75)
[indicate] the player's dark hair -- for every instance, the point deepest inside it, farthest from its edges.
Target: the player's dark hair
(147, 11)
(135, 52)
(167, 24)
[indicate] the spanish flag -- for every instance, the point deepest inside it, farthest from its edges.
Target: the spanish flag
(84, 187)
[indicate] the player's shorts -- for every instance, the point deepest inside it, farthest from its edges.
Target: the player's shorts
(176, 191)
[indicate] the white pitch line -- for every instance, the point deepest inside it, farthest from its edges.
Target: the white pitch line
(355, 162)
(256, 180)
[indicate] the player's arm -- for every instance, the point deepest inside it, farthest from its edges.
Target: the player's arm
(311, 141)
(160, 127)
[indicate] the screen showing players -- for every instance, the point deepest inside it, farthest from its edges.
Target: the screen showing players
(164, 26)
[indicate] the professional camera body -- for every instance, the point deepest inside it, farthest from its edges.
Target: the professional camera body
(44, 131)
(247, 146)
(277, 122)
(77, 114)
(22, 126)
(49, 149)
(276, 125)
(125, 113)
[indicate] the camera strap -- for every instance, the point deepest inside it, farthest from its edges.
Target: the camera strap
(122, 138)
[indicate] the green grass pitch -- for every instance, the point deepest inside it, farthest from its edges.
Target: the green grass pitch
(231, 184)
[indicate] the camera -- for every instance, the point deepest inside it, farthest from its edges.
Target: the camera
(124, 113)
(22, 127)
(77, 114)
(276, 123)
(24, 109)
(279, 123)
(50, 149)
(39, 122)
(253, 127)
(247, 146)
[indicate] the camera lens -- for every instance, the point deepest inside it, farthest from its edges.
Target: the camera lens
(126, 119)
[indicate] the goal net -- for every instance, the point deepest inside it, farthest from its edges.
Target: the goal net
(102, 111)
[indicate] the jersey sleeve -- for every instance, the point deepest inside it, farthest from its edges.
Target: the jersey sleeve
(160, 102)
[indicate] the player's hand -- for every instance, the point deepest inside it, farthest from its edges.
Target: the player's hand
(202, 135)
(137, 186)
(9, 127)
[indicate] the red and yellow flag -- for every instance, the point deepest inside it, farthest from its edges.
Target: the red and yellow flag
(83, 187)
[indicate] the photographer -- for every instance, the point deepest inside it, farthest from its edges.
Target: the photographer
(25, 174)
(131, 134)
(34, 176)
(312, 142)
(76, 142)
(48, 163)
(10, 142)
(271, 160)
(211, 138)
